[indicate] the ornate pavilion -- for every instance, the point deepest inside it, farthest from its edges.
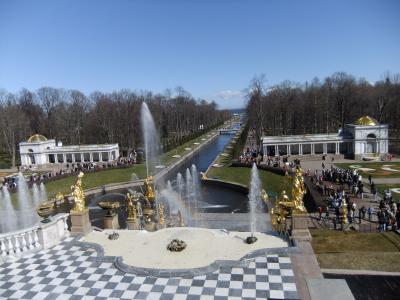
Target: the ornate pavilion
(38, 150)
(365, 138)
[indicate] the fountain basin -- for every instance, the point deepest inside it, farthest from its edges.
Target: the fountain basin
(204, 246)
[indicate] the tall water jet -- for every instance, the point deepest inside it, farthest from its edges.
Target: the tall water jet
(180, 184)
(36, 196)
(195, 191)
(151, 139)
(254, 198)
(8, 215)
(189, 190)
(43, 192)
(24, 201)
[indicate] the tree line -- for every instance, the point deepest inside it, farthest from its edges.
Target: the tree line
(323, 106)
(75, 118)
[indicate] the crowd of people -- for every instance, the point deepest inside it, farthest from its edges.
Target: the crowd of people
(340, 186)
(11, 182)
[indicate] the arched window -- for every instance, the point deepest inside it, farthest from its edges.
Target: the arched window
(30, 150)
(371, 136)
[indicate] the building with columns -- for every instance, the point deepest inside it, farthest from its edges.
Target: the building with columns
(365, 138)
(38, 150)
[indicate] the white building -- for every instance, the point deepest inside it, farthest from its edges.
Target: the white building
(365, 138)
(38, 150)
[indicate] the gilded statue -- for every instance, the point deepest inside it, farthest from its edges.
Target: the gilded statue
(298, 191)
(130, 207)
(264, 196)
(344, 212)
(78, 195)
(149, 189)
(161, 219)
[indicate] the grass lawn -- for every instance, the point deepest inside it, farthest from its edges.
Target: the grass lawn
(92, 180)
(357, 251)
(382, 187)
(378, 172)
(271, 182)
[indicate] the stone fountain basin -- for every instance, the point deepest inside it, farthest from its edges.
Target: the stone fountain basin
(144, 249)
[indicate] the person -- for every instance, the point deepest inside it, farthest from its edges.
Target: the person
(320, 212)
(327, 212)
(369, 179)
(398, 218)
(370, 211)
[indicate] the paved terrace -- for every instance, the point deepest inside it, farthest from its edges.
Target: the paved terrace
(79, 270)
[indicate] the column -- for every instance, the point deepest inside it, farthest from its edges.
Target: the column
(276, 150)
(73, 157)
(64, 158)
(312, 149)
(337, 148)
(100, 156)
(325, 148)
(56, 158)
(300, 149)
(91, 156)
(289, 150)
(82, 158)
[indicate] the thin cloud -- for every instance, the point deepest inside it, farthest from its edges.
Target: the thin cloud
(229, 94)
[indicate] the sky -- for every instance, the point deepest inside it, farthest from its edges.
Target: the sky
(210, 48)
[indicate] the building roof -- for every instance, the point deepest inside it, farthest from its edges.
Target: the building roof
(36, 138)
(366, 121)
(307, 138)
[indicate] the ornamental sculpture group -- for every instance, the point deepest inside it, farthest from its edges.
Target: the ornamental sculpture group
(291, 208)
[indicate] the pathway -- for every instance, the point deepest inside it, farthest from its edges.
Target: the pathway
(74, 270)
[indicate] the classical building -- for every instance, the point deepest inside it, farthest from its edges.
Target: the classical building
(38, 150)
(365, 138)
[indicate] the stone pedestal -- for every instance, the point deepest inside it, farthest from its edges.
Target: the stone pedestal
(132, 224)
(111, 222)
(300, 230)
(80, 222)
(150, 226)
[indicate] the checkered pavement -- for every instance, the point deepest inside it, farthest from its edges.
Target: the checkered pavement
(75, 272)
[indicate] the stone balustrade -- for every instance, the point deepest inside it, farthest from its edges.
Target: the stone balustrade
(40, 236)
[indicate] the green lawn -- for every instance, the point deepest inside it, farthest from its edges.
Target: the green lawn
(271, 182)
(91, 180)
(378, 172)
(357, 251)
(382, 187)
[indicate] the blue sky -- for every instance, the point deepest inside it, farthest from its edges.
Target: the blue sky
(211, 48)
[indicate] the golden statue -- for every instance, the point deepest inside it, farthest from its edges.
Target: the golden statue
(298, 191)
(149, 189)
(130, 207)
(78, 195)
(264, 196)
(344, 212)
(161, 219)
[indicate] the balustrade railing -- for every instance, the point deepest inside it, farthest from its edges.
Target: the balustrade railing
(17, 243)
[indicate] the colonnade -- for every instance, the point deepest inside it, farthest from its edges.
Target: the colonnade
(300, 148)
(82, 157)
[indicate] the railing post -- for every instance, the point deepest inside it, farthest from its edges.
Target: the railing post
(24, 248)
(30, 242)
(16, 245)
(36, 239)
(3, 251)
(10, 246)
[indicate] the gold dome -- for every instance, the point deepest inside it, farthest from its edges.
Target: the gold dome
(36, 138)
(366, 121)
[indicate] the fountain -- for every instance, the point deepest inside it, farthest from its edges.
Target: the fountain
(151, 140)
(43, 192)
(36, 195)
(8, 217)
(254, 199)
(24, 202)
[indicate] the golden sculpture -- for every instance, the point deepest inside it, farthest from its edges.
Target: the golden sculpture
(264, 196)
(149, 189)
(78, 195)
(130, 207)
(344, 212)
(285, 206)
(161, 219)
(298, 191)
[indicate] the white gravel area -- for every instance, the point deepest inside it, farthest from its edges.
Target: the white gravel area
(204, 246)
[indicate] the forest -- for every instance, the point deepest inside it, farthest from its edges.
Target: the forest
(323, 106)
(74, 118)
